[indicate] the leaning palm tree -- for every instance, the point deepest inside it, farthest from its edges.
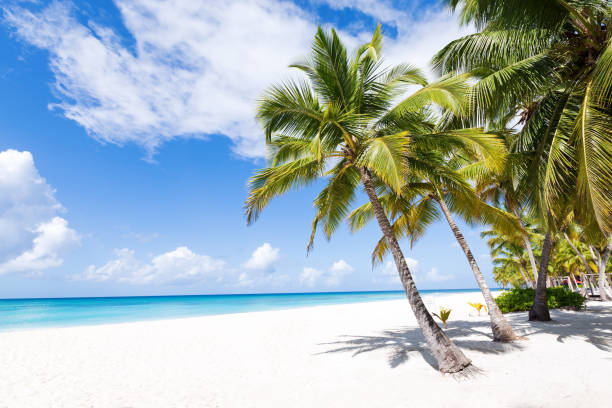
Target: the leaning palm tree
(440, 189)
(340, 124)
(509, 247)
(500, 189)
(549, 61)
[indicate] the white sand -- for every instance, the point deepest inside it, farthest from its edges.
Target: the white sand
(355, 355)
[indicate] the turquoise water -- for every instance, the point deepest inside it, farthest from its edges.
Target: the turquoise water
(34, 313)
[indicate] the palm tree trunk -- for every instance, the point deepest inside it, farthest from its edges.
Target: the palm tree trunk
(582, 259)
(449, 357)
(502, 331)
(539, 309)
(605, 292)
(532, 260)
(525, 275)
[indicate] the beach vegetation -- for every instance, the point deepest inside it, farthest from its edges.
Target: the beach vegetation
(476, 305)
(549, 63)
(342, 125)
(443, 315)
(440, 192)
(521, 299)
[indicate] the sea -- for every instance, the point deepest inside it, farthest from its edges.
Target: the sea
(17, 314)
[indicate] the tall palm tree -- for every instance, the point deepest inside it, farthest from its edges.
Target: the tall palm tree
(549, 61)
(340, 124)
(433, 192)
(500, 189)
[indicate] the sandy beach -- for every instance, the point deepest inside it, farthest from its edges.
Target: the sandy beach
(353, 355)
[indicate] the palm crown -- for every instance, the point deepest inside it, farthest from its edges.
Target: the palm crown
(342, 120)
(549, 62)
(341, 123)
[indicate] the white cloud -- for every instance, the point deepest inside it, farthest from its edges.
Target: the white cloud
(310, 276)
(260, 268)
(332, 277)
(263, 258)
(379, 9)
(435, 276)
(388, 273)
(341, 266)
(32, 236)
(197, 68)
(337, 272)
(179, 266)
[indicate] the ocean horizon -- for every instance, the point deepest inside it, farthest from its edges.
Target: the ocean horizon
(31, 313)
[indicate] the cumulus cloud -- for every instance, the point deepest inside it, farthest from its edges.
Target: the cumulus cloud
(32, 236)
(388, 273)
(310, 276)
(259, 268)
(175, 267)
(332, 277)
(195, 69)
(263, 258)
(433, 275)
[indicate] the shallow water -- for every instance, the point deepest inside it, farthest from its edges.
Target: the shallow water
(58, 312)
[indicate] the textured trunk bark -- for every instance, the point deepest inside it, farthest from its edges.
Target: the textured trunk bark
(532, 260)
(502, 331)
(449, 357)
(605, 292)
(539, 309)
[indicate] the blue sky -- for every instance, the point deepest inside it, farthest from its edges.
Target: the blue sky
(127, 138)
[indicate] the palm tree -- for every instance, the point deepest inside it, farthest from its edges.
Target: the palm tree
(432, 192)
(500, 189)
(601, 255)
(549, 61)
(507, 251)
(340, 124)
(508, 269)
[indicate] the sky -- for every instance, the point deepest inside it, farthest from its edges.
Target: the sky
(127, 137)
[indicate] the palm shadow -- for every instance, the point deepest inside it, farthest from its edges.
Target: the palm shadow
(594, 325)
(402, 342)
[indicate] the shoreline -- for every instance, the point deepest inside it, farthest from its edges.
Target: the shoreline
(360, 354)
(130, 317)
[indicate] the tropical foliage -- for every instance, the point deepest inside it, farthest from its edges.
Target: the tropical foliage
(340, 124)
(521, 299)
(548, 63)
(516, 134)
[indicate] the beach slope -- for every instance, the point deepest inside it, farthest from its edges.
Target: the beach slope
(353, 355)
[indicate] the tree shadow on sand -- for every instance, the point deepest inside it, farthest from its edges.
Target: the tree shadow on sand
(400, 343)
(594, 326)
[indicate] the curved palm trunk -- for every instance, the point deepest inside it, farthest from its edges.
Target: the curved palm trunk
(539, 309)
(502, 331)
(532, 260)
(577, 252)
(605, 292)
(525, 275)
(449, 357)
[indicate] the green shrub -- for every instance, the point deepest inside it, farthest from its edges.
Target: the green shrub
(521, 299)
